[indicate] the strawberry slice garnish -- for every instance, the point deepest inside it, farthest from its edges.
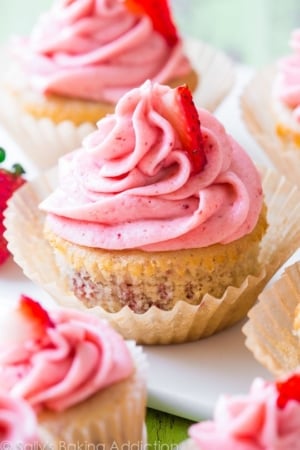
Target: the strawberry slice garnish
(10, 181)
(178, 107)
(31, 310)
(288, 389)
(159, 13)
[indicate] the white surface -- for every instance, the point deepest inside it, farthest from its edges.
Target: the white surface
(183, 379)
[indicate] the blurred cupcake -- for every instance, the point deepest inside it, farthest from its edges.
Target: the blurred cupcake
(18, 424)
(76, 372)
(157, 223)
(81, 57)
(268, 417)
(271, 110)
(272, 330)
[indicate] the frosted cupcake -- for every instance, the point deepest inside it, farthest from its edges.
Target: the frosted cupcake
(18, 424)
(80, 58)
(268, 417)
(76, 372)
(271, 110)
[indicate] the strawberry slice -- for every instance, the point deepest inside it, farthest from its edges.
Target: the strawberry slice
(10, 181)
(159, 13)
(288, 390)
(28, 322)
(177, 106)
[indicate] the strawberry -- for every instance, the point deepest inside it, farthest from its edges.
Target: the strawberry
(159, 13)
(27, 322)
(288, 390)
(177, 106)
(9, 182)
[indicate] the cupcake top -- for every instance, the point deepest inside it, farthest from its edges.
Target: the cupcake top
(99, 49)
(156, 175)
(56, 360)
(266, 418)
(287, 82)
(18, 424)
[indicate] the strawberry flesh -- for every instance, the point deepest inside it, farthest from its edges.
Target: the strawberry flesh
(288, 390)
(35, 313)
(159, 13)
(183, 116)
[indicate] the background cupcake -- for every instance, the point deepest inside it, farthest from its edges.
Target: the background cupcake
(202, 211)
(267, 417)
(270, 106)
(76, 372)
(78, 61)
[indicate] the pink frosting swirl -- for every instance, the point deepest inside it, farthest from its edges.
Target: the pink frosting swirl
(287, 83)
(97, 50)
(250, 422)
(74, 358)
(18, 424)
(132, 184)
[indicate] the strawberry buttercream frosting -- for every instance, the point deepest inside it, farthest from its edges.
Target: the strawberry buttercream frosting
(18, 424)
(98, 50)
(287, 82)
(256, 421)
(132, 184)
(59, 359)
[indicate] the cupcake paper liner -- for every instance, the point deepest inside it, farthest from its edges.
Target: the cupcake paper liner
(269, 329)
(259, 117)
(184, 322)
(44, 142)
(112, 418)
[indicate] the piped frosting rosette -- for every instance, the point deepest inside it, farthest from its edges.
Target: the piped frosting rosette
(69, 366)
(133, 184)
(99, 49)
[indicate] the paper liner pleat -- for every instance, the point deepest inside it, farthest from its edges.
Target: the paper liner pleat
(44, 142)
(112, 418)
(269, 330)
(185, 322)
(259, 117)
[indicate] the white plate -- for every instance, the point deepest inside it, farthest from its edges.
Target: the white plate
(183, 379)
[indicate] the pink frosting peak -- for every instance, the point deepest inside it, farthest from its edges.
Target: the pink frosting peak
(63, 362)
(97, 50)
(131, 185)
(251, 422)
(287, 83)
(18, 424)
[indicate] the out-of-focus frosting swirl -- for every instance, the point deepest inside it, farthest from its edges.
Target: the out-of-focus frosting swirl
(97, 50)
(250, 422)
(287, 82)
(132, 184)
(73, 359)
(18, 424)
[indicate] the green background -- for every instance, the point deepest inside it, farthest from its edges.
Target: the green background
(253, 32)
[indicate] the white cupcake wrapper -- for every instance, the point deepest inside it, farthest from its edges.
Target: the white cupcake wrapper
(44, 142)
(184, 322)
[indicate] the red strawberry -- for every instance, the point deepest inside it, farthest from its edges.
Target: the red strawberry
(159, 13)
(9, 182)
(28, 322)
(288, 390)
(183, 115)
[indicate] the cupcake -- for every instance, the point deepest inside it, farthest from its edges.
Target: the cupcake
(271, 110)
(78, 374)
(18, 424)
(268, 417)
(158, 223)
(80, 58)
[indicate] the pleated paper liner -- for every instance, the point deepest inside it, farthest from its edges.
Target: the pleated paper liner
(257, 113)
(44, 142)
(112, 418)
(185, 322)
(269, 330)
